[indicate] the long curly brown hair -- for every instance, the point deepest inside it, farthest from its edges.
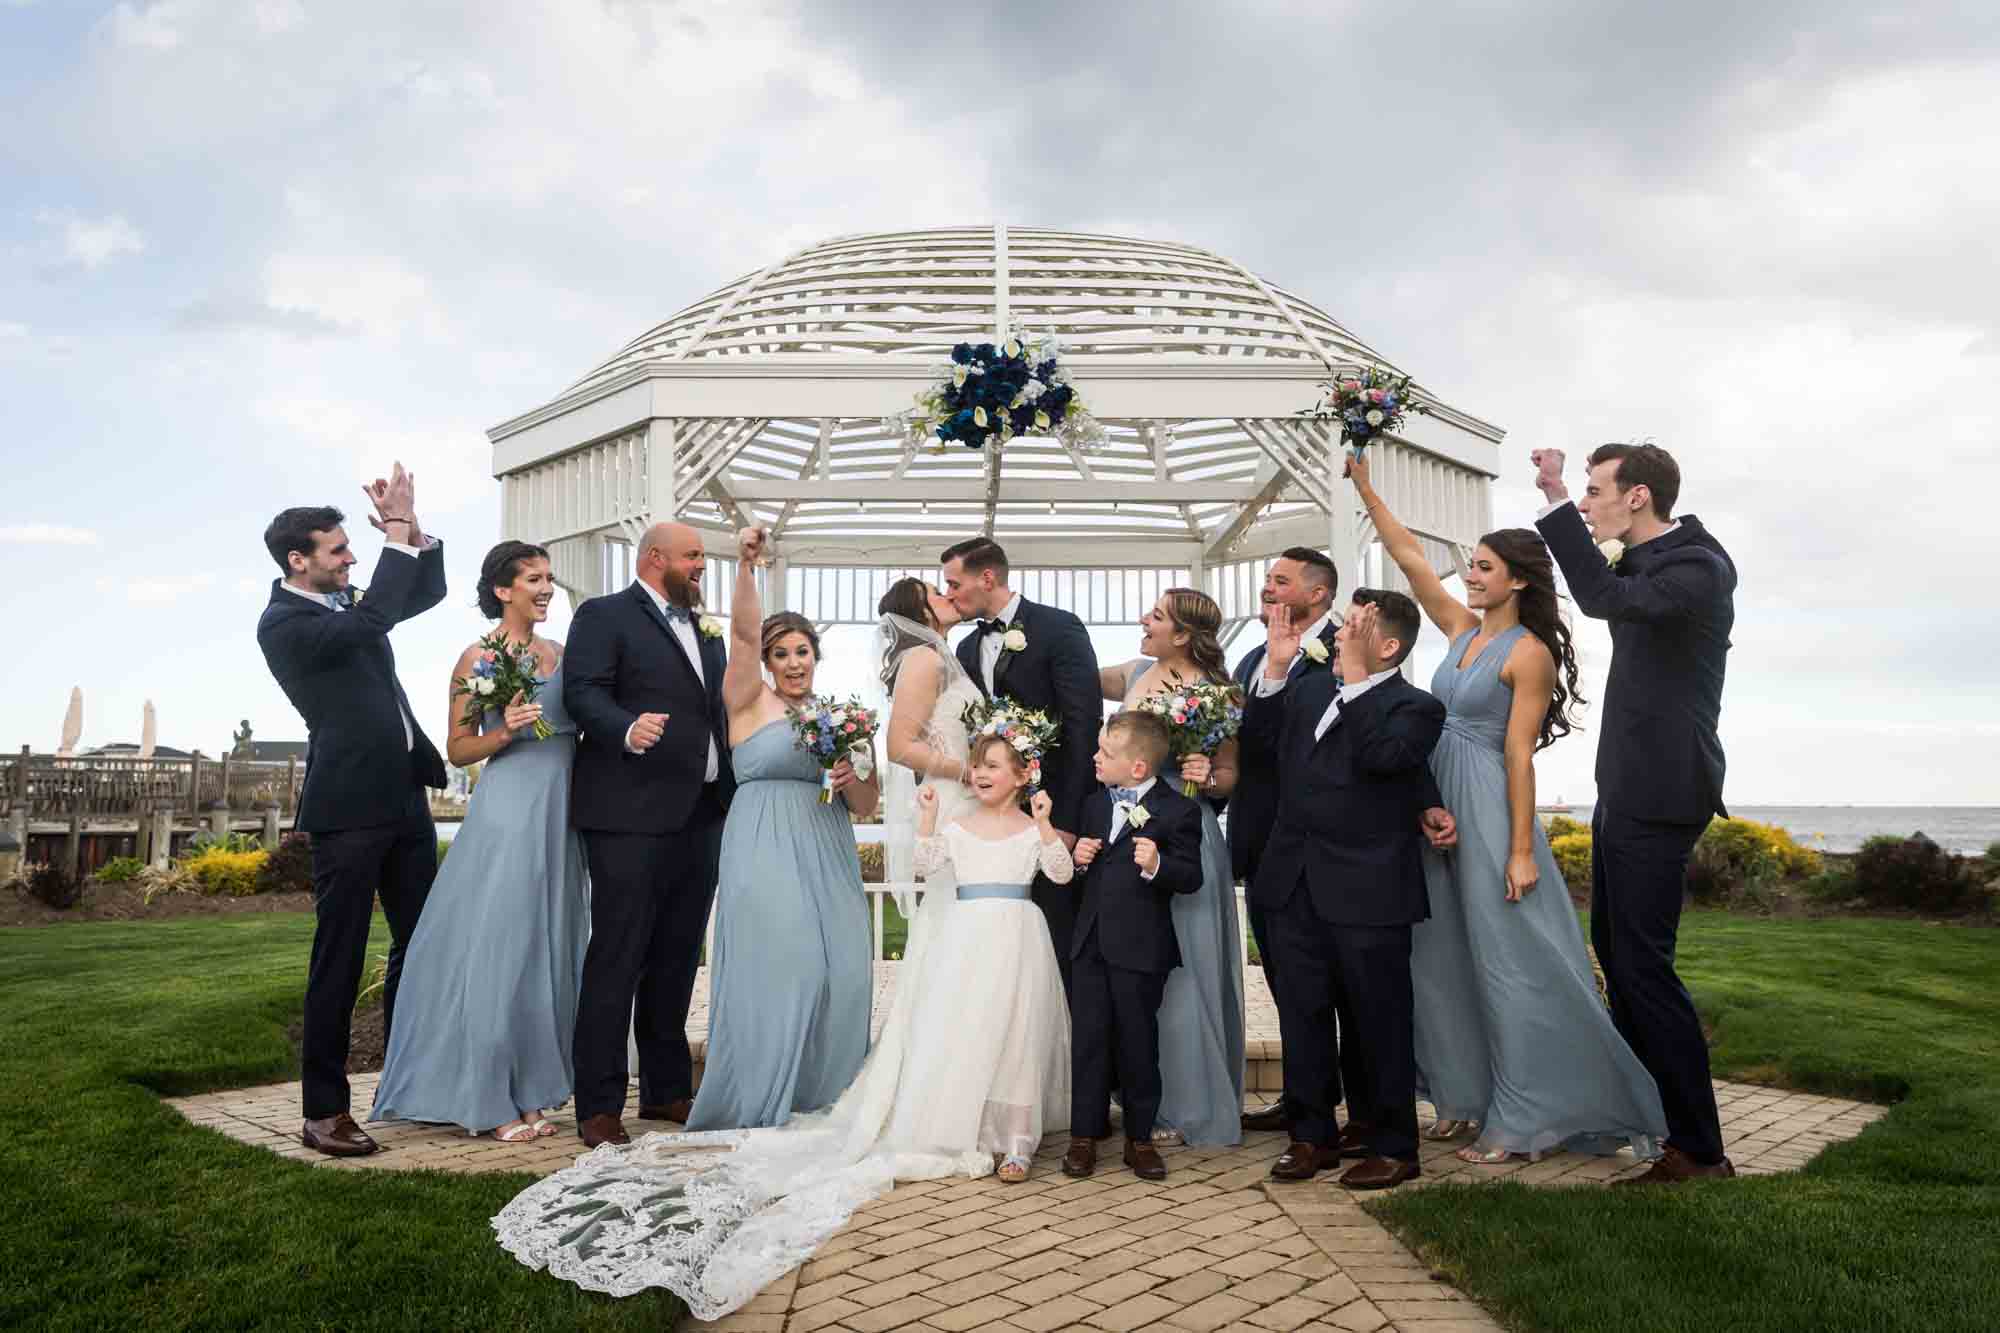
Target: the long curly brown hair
(1195, 611)
(1526, 557)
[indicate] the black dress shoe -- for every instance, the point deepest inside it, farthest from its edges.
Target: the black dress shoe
(1275, 1117)
(674, 1112)
(1303, 1161)
(1357, 1143)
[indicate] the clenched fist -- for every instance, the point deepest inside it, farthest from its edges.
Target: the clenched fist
(1086, 851)
(646, 732)
(1549, 474)
(751, 544)
(1146, 854)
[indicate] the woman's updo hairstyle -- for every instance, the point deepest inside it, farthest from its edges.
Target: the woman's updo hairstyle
(499, 570)
(781, 623)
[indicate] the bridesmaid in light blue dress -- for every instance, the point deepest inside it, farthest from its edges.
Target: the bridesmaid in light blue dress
(791, 982)
(1511, 1035)
(1201, 1012)
(488, 998)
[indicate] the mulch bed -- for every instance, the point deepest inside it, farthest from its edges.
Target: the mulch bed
(365, 1046)
(123, 902)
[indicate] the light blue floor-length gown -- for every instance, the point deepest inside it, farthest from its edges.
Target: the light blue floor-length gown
(1510, 1031)
(487, 1007)
(790, 977)
(1201, 1012)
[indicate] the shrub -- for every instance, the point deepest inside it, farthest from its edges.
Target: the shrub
(229, 874)
(1562, 826)
(120, 868)
(873, 868)
(376, 985)
(1738, 857)
(51, 884)
(1572, 853)
(1916, 873)
(225, 842)
(173, 879)
(288, 868)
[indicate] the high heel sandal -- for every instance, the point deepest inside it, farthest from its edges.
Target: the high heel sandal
(1166, 1136)
(518, 1132)
(544, 1127)
(1446, 1130)
(1013, 1170)
(1479, 1156)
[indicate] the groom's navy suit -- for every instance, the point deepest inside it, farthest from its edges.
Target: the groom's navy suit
(1120, 951)
(363, 797)
(652, 830)
(1057, 673)
(1342, 883)
(1670, 603)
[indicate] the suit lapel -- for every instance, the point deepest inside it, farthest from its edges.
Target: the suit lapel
(659, 618)
(968, 657)
(1006, 658)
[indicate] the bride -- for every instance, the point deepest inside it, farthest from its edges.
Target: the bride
(971, 1068)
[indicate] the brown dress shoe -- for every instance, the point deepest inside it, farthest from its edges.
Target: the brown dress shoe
(1357, 1143)
(605, 1128)
(1303, 1161)
(337, 1136)
(676, 1111)
(1081, 1159)
(1675, 1167)
(1144, 1159)
(1275, 1117)
(1380, 1173)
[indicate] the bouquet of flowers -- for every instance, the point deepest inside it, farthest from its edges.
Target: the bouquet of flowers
(1199, 718)
(501, 671)
(988, 394)
(1030, 731)
(1366, 404)
(831, 730)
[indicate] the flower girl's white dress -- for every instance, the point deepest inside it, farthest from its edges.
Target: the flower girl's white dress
(973, 1062)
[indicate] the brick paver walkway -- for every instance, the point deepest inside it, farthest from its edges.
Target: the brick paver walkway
(1216, 1246)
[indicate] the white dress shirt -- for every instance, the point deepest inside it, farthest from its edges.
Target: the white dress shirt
(1348, 694)
(409, 727)
(690, 639)
(1118, 819)
(991, 645)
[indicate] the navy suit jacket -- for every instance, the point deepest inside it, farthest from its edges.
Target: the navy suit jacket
(1670, 603)
(1351, 803)
(623, 659)
(338, 670)
(1057, 673)
(1253, 806)
(1134, 917)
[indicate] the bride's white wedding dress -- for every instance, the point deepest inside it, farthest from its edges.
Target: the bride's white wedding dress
(972, 1062)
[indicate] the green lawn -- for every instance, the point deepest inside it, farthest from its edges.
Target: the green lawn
(1899, 1229)
(119, 1214)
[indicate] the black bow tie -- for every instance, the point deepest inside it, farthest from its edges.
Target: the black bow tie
(987, 627)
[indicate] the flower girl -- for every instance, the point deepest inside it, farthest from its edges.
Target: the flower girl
(990, 952)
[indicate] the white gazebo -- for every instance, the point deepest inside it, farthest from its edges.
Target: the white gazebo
(764, 403)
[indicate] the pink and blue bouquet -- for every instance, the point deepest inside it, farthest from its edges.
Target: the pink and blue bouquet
(831, 730)
(501, 671)
(1199, 718)
(1367, 404)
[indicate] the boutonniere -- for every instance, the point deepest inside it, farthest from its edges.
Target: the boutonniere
(710, 627)
(1014, 640)
(1612, 550)
(354, 597)
(1315, 649)
(1135, 814)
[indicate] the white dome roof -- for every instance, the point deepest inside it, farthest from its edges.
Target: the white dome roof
(914, 294)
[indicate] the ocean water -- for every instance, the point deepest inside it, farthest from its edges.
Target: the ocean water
(1966, 829)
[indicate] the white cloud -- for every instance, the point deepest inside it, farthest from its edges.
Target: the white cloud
(95, 242)
(47, 534)
(154, 27)
(162, 591)
(379, 296)
(271, 17)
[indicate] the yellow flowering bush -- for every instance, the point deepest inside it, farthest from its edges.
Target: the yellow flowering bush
(1572, 852)
(1735, 854)
(220, 872)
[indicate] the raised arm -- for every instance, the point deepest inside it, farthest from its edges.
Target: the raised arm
(1531, 673)
(919, 681)
(1685, 585)
(314, 638)
(1450, 615)
(743, 678)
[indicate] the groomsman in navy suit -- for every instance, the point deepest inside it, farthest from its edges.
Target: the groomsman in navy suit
(368, 763)
(1667, 589)
(1302, 583)
(1342, 882)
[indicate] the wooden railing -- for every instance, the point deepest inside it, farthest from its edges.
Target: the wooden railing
(48, 787)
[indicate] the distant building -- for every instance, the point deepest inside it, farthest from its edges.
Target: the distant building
(127, 750)
(277, 751)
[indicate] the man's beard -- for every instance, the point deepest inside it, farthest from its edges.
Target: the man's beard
(681, 591)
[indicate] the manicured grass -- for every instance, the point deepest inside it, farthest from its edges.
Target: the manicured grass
(120, 1214)
(1897, 1230)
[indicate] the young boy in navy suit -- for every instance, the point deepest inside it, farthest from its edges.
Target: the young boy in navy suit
(1141, 845)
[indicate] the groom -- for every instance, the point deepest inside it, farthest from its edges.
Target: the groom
(367, 765)
(1040, 657)
(649, 788)
(1668, 591)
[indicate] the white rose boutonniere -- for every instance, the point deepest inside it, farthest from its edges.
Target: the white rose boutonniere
(710, 627)
(1014, 640)
(1135, 814)
(1314, 648)
(1613, 551)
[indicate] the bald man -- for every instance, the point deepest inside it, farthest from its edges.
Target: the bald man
(649, 790)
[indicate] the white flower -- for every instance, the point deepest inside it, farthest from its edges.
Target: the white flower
(1374, 417)
(1314, 648)
(1135, 814)
(838, 716)
(711, 628)
(483, 685)
(354, 596)
(1010, 348)
(978, 416)
(958, 374)
(1033, 390)
(1613, 551)
(1021, 743)
(1014, 640)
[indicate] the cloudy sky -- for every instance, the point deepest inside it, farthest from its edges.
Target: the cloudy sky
(251, 250)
